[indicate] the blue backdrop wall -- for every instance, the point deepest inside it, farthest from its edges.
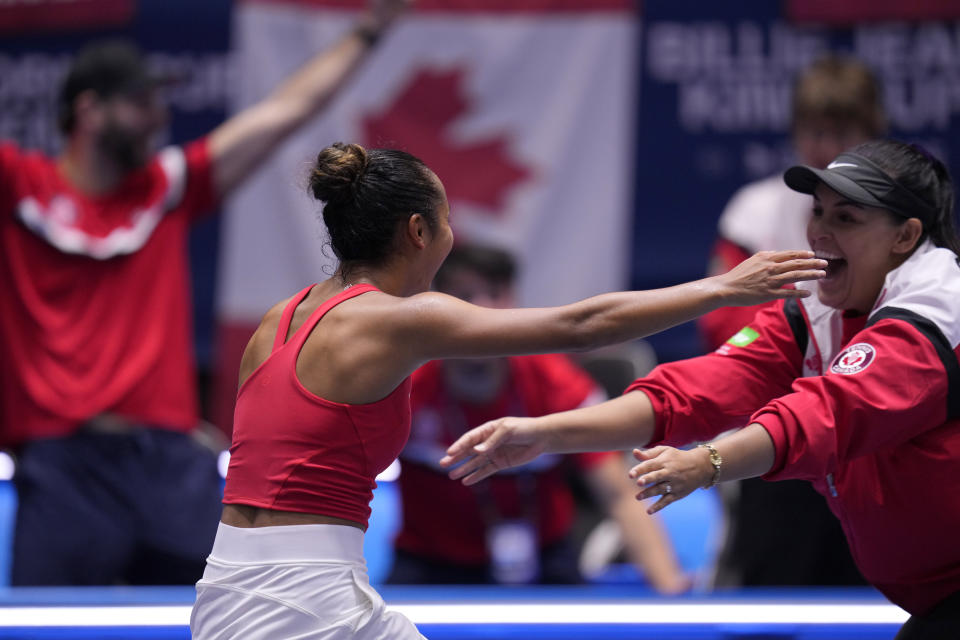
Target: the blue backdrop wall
(714, 112)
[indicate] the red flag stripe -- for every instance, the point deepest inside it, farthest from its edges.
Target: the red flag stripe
(24, 17)
(854, 11)
(478, 6)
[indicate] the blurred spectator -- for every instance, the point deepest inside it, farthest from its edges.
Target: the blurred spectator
(836, 105)
(98, 399)
(518, 527)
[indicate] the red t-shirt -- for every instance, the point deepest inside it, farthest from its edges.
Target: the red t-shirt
(537, 385)
(96, 294)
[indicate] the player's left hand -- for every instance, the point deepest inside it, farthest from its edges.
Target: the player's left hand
(670, 473)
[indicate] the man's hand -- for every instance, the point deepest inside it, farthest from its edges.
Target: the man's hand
(380, 14)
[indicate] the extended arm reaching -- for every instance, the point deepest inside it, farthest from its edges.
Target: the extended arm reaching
(620, 423)
(617, 424)
(459, 329)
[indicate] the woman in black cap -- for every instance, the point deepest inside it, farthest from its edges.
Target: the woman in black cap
(856, 389)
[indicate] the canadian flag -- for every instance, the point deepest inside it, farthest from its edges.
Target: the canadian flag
(523, 108)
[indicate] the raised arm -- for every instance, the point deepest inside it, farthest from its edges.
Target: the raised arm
(241, 143)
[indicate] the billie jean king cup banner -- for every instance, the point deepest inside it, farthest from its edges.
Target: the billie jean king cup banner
(525, 112)
(716, 82)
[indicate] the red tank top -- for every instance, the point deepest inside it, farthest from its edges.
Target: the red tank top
(295, 451)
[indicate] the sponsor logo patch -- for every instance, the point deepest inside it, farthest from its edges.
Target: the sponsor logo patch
(854, 359)
(834, 165)
(743, 337)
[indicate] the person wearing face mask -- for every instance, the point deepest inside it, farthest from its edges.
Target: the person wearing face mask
(855, 390)
(518, 528)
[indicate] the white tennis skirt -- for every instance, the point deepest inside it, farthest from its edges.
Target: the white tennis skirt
(291, 582)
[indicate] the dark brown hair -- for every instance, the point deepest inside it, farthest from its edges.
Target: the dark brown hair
(367, 193)
(926, 176)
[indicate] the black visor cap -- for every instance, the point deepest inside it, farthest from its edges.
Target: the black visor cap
(860, 180)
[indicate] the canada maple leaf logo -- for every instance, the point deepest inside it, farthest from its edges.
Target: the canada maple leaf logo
(419, 121)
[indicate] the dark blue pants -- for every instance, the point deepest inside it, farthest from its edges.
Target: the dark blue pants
(94, 508)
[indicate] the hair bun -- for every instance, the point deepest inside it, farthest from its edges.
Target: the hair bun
(337, 171)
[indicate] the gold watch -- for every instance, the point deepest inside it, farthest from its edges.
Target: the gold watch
(716, 461)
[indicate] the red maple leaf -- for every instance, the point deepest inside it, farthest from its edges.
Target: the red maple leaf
(419, 120)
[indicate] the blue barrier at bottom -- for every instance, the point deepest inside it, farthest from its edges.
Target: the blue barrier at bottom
(490, 613)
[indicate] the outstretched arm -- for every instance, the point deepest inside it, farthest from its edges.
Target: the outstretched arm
(459, 329)
(714, 403)
(617, 424)
(241, 143)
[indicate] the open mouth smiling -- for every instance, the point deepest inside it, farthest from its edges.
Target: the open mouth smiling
(835, 263)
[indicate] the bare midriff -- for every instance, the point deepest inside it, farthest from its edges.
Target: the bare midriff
(246, 516)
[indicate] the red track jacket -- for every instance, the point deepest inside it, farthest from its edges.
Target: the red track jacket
(866, 408)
